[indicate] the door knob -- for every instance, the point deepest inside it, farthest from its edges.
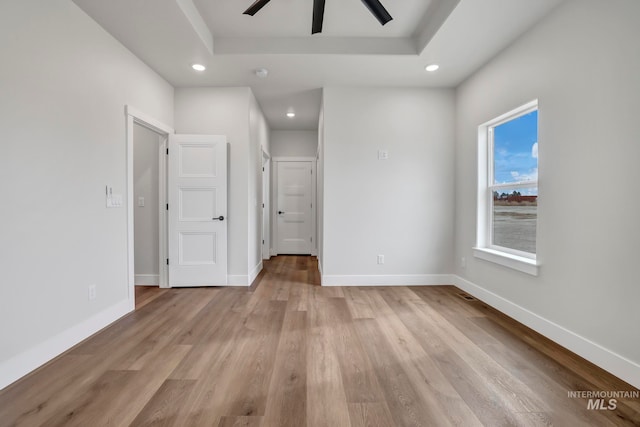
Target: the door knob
(220, 218)
(280, 212)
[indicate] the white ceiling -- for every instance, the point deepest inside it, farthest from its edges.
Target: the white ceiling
(353, 50)
(292, 18)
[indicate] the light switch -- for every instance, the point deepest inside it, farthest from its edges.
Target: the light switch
(141, 202)
(114, 201)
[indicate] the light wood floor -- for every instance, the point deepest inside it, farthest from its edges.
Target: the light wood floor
(291, 353)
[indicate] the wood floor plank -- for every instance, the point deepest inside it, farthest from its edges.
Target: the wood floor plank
(107, 404)
(204, 322)
(359, 303)
(138, 324)
(520, 397)
(146, 294)
(299, 297)
(358, 376)
(248, 396)
(439, 394)
(543, 375)
(324, 380)
(404, 402)
(215, 343)
(370, 414)
(287, 352)
(289, 379)
(163, 408)
(44, 391)
(240, 422)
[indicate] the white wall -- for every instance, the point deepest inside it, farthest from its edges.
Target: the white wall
(583, 64)
(64, 83)
(224, 111)
(403, 207)
(259, 140)
(294, 143)
(320, 188)
(233, 112)
(146, 180)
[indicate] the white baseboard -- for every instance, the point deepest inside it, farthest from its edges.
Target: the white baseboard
(386, 280)
(20, 365)
(619, 366)
(147, 279)
(254, 273)
(244, 279)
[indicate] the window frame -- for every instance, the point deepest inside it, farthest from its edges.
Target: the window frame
(526, 262)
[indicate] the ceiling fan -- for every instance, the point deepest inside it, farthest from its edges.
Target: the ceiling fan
(374, 6)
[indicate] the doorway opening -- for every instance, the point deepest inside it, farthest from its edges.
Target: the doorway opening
(149, 158)
(146, 203)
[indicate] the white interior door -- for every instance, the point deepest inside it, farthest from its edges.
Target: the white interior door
(197, 190)
(294, 207)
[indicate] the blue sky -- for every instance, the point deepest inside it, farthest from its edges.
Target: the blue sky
(516, 149)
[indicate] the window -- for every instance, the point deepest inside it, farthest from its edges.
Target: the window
(508, 189)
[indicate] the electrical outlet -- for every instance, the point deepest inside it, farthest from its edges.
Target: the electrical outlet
(141, 202)
(92, 292)
(383, 155)
(463, 262)
(380, 259)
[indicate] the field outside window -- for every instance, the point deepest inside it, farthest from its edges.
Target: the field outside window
(508, 183)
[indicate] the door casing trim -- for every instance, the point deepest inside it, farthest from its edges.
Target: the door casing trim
(134, 116)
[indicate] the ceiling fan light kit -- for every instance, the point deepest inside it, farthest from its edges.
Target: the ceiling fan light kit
(375, 7)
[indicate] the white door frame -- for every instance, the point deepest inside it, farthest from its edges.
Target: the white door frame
(134, 116)
(266, 205)
(274, 213)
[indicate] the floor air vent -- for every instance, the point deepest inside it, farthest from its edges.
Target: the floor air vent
(466, 297)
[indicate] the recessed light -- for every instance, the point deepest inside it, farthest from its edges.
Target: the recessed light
(198, 67)
(291, 114)
(262, 72)
(432, 67)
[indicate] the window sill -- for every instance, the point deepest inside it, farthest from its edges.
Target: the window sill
(525, 265)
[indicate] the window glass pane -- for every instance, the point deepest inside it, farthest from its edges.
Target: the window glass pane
(515, 212)
(515, 150)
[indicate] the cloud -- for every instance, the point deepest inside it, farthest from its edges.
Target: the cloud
(534, 150)
(524, 177)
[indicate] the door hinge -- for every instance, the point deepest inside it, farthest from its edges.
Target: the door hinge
(263, 206)
(262, 169)
(167, 261)
(263, 242)
(167, 151)
(167, 206)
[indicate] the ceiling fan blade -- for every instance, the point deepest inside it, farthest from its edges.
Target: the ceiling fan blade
(318, 16)
(378, 10)
(255, 7)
